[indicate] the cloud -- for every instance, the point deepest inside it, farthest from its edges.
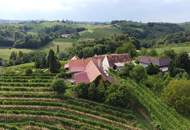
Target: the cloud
(96, 10)
(47, 5)
(31, 5)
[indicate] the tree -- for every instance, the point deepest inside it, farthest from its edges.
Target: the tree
(138, 73)
(177, 95)
(63, 55)
(183, 61)
(152, 69)
(127, 48)
(13, 56)
(59, 86)
(173, 70)
(153, 52)
(28, 72)
(41, 60)
(170, 53)
(92, 92)
(53, 63)
(101, 91)
(143, 51)
(119, 96)
(58, 50)
(20, 54)
(180, 64)
(125, 71)
(81, 91)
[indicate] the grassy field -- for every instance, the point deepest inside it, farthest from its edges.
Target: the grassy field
(183, 47)
(5, 52)
(92, 32)
(63, 45)
(99, 31)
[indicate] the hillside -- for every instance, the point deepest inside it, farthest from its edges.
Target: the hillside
(186, 26)
(44, 35)
(27, 102)
(44, 95)
(164, 116)
(35, 34)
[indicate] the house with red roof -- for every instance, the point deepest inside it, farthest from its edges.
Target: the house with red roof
(89, 69)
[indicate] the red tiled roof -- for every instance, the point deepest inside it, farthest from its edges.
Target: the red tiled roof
(77, 65)
(118, 58)
(80, 64)
(81, 77)
(90, 73)
(66, 66)
(87, 70)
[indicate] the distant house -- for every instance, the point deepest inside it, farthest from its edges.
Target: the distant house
(161, 62)
(89, 69)
(66, 35)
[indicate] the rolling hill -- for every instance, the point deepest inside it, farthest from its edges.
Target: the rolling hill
(148, 34)
(28, 102)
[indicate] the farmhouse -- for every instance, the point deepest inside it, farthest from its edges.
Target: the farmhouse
(161, 62)
(87, 70)
(68, 35)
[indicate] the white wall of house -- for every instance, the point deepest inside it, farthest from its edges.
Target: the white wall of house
(120, 64)
(105, 65)
(164, 69)
(144, 65)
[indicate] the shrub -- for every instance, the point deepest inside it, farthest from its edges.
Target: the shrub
(28, 72)
(63, 74)
(138, 73)
(119, 96)
(59, 86)
(81, 91)
(152, 69)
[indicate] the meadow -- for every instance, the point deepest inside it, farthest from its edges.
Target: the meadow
(62, 43)
(5, 52)
(182, 47)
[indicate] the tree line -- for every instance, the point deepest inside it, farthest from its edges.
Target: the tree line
(33, 35)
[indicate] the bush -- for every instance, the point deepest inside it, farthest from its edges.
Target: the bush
(28, 72)
(119, 96)
(64, 75)
(138, 73)
(152, 69)
(59, 86)
(95, 91)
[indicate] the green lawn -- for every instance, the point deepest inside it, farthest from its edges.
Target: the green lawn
(98, 31)
(63, 44)
(5, 52)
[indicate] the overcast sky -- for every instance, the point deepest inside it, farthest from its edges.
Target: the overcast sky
(97, 10)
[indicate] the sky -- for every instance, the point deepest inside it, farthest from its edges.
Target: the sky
(97, 10)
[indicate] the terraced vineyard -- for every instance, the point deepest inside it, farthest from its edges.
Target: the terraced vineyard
(167, 117)
(28, 102)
